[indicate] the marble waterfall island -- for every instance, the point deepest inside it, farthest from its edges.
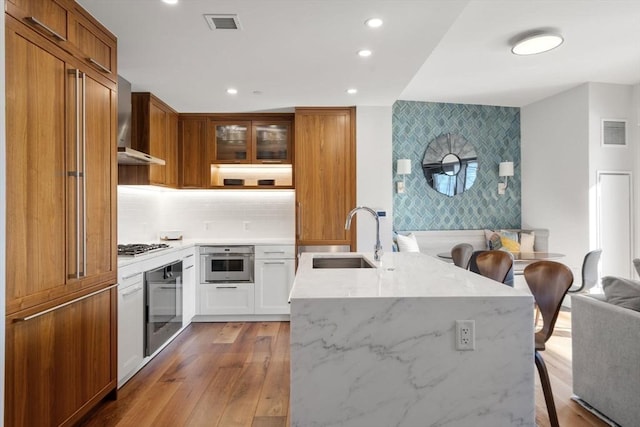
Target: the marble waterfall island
(376, 346)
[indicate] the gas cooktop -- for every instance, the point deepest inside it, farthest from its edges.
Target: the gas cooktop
(135, 249)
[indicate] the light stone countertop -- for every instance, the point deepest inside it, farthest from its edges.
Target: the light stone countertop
(178, 245)
(413, 275)
(378, 346)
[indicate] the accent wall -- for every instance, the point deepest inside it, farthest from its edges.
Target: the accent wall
(495, 135)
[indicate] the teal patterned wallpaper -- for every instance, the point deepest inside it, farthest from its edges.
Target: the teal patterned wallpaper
(495, 133)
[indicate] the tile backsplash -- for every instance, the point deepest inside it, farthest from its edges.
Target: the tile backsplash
(143, 212)
(495, 134)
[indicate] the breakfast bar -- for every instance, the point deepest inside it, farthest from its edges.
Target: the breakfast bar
(376, 343)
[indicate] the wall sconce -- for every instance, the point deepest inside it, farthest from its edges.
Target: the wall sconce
(403, 167)
(505, 170)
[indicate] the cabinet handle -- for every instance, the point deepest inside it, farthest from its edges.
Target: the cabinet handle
(299, 219)
(38, 23)
(273, 252)
(226, 287)
(188, 256)
(84, 173)
(273, 262)
(49, 310)
(186, 268)
(271, 161)
(130, 276)
(131, 292)
(99, 66)
(76, 174)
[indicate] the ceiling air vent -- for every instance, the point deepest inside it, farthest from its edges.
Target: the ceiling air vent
(219, 21)
(614, 132)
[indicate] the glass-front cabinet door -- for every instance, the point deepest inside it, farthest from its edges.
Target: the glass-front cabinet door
(272, 142)
(232, 141)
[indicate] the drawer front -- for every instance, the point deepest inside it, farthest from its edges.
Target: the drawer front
(188, 260)
(130, 330)
(95, 47)
(275, 251)
(48, 17)
(226, 298)
(130, 279)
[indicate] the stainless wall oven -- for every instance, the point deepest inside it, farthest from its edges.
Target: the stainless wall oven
(225, 264)
(163, 305)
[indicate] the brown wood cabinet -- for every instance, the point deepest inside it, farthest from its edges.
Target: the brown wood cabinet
(193, 170)
(59, 363)
(154, 130)
(271, 142)
(61, 229)
(250, 140)
(96, 45)
(61, 194)
(229, 141)
(211, 146)
(325, 175)
(69, 26)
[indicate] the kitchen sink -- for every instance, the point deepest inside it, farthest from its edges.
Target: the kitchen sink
(342, 262)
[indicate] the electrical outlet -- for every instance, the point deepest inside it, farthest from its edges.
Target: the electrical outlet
(465, 334)
(207, 225)
(245, 225)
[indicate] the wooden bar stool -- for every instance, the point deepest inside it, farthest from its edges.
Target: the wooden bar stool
(461, 254)
(548, 282)
(496, 265)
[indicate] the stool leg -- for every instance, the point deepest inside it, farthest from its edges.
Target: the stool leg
(546, 389)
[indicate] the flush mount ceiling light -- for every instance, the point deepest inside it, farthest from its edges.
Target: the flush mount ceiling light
(232, 91)
(364, 53)
(538, 42)
(373, 22)
(352, 91)
(170, 1)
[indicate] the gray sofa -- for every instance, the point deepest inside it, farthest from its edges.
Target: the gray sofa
(606, 358)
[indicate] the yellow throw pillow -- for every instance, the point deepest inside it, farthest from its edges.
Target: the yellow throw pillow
(509, 244)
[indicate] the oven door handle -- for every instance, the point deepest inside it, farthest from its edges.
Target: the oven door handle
(227, 255)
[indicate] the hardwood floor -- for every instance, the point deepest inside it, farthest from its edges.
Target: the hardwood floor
(237, 374)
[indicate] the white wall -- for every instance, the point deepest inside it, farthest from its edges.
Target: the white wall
(555, 172)
(561, 155)
(608, 101)
(143, 212)
(634, 134)
(373, 179)
(3, 211)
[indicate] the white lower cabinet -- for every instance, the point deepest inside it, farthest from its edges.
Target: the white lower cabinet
(130, 325)
(227, 298)
(188, 288)
(274, 271)
(274, 278)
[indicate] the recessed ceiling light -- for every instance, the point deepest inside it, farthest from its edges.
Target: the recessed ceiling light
(373, 22)
(352, 91)
(364, 53)
(531, 44)
(232, 91)
(170, 1)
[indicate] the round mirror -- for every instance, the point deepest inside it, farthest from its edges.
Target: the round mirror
(450, 164)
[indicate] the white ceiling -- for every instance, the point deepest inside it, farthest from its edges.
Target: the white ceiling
(303, 52)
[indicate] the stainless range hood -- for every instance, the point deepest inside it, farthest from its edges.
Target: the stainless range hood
(126, 154)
